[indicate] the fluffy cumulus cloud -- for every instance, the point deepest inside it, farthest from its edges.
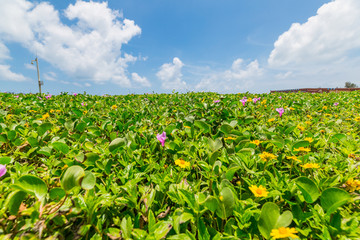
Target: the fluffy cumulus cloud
(87, 49)
(143, 81)
(327, 46)
(240, 77)
(170, 75)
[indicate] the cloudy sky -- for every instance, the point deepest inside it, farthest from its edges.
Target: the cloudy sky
(142, 46)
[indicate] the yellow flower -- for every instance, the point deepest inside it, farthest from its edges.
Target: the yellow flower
(301, 128)
(283, 232)
(52, 110)
(58, 111)
(26, 125)
(8, 116)
(310, 165)
(328, 115)
(113, 107)
(322, 131)
(309, 116)
(271, 120)
(324, 107)
(302, 149)
(291, 108)
(45, 116)
(352, 185)
(309, 139)
(85, 112)
(307, 122)
(187, 127)
(263, 102)
(182, 163)
(32, 111)
(258, 191)
(221, 198)
(256, 142)
(249, 99)
(293, 158)
(265, 156)
(357, 119)
(229, 138)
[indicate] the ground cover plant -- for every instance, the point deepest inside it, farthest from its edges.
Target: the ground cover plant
(180, 166)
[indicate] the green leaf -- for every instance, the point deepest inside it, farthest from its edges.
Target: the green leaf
(56, 194)
(60, 146)
(214, 145)
(333, 198)
(89, 180)
(162, 229)
(339, 137)
(5, 160)
(308, 188)
(43, 128)
(270, 218)
(126, 227)
(116, 143)
(72, 177)
(32, 185)
(206, 128)
(14, 200)
(226, 203)
(226, 128)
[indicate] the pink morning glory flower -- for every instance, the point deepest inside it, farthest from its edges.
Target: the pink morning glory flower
(243, 101)
(280, 97)
(48, 96)
(75, 94)
(16, 96)
(2, 170)
(161, 138)
(216, 101)
(280, 111)
(335, 104)
(83, 104)
(256, 99)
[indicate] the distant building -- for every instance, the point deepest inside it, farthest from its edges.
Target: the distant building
(317, 90)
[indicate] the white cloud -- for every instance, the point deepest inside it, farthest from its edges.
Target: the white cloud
(171, 76)
(90, 49)
(30, 66)
(50, 76)
(7, 74)
(4, 52)
(324, 39)
(143, 81)
(238, 78)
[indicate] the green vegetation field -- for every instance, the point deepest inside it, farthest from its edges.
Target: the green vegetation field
(180, 166)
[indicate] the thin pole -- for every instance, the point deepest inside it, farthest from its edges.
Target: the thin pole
(38, 72)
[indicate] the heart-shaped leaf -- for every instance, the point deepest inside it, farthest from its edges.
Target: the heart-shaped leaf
(308, 188)
(33, 185)
(72, 177)
(270, 218)
(333, 198)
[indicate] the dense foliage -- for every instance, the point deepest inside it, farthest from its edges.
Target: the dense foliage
(180, 166)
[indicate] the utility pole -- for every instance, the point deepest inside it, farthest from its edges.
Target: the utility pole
(38, 73)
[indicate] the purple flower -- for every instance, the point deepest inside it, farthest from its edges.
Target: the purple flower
(75, 94)
(161, 138)
(48, 96)
(83, 104)
(280, 97)
(335, 104)
(216, 101)
(2, 170)
(16, 96)
(280, 111)
(243, 101)
(256, 99)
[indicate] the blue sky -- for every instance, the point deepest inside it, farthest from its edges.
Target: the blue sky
(140, 46)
